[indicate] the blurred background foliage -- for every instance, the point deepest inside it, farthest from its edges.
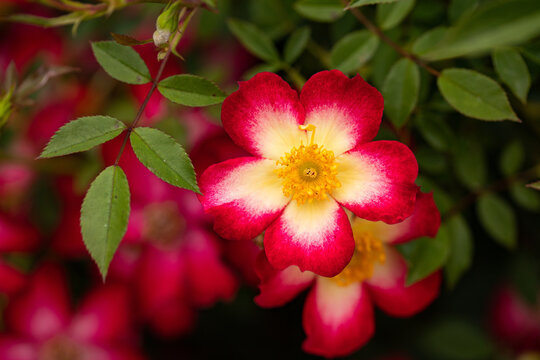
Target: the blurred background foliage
(477, 170)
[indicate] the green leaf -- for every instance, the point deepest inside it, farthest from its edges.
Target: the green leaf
(475, 95)
(191, 90)
(391, 15)
(470, 164)
(429, 160)
(255, 40)
(358, 3)
(400, 91)
(425, 255)
(455, 340)
(499, 220)
(6, 107)
(495, 23)
(512, 70)
(435, 131)
(82, 134)
(121, 62)
(524, 275)
(428, 40)
(535, 185)
(211, 3)
(10, 79)
(261, 68)
(531, 51)
(72, 18)
(104, 216)
(512, 158)
(163, 156)
(525, 197)
(296, 44)
(461, 250)
(442, 199)
(320, 10)
(459, 7)
(353, 51)
(382, 61)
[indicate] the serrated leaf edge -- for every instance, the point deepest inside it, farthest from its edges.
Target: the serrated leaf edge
(43, 156)
(105, 270)
(146, 77)
(195, 188)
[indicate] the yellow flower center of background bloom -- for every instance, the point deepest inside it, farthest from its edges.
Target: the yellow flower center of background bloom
(369, 251)
(308, 172)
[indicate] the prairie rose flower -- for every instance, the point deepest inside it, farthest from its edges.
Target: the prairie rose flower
(15, 181)
(338, 313)
(41, 324)
(311, 155)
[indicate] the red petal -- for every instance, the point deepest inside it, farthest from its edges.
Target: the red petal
(316, 237)
(278, 287)
(347, 112)
(377, 181)
(389, 292)
(243, 195)
(263, 116)
(337, 319)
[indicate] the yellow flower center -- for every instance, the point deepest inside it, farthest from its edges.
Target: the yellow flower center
(308, 172)
(369, 250)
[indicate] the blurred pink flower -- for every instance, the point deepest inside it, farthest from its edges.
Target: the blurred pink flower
(16, 235)
(66, 238)
(15, 181)
(18, 41)
(17, 44)
(214, 147)
(68, 104)
(230, 59)
(515, 322)
(169, 254)
(40, 323)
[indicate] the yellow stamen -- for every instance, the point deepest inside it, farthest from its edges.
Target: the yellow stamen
(369, 251)
(308, 172)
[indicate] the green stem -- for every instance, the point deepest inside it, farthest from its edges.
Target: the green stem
(381, 35)
(185, 18)
(497, 186)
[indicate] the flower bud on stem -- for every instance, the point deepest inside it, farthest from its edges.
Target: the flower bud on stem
(184, 20)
